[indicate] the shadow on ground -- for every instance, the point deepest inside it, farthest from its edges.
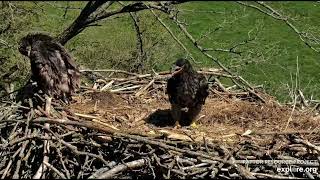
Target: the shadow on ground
(163, 118)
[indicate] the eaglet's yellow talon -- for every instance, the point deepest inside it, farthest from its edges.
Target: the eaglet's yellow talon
(193, 125)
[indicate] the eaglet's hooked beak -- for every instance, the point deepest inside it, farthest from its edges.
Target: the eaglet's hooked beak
(29, 52)
(176, 70)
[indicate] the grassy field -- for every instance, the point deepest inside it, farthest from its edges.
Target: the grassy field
(271, 59)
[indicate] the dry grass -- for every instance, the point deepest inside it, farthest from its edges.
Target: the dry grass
(221, 119)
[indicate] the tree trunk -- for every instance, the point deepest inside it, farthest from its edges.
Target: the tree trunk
(80, 23)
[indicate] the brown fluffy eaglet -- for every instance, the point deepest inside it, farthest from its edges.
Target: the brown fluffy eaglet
(187, 91)
(53, 68)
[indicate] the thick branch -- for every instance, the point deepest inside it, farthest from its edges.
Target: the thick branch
(90, 15)
(122, 167)
(80, 23)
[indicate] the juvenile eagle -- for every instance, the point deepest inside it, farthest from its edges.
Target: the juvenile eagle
(187, 91)
(52, 67)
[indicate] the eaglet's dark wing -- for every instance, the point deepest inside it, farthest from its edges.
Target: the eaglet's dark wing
(57, 56)
(172, 89)
(203, 90)
(58, 67)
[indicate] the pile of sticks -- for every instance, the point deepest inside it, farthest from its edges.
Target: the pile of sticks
(83, 149)
(75, 147)
(140, 84)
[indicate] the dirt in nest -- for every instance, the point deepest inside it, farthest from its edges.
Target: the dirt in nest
(95, 102)
(219, 119)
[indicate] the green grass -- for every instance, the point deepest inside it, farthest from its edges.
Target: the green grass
(278, 44)
(269, 60)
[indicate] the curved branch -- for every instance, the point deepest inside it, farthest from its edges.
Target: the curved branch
(90, 15)
(276, 15)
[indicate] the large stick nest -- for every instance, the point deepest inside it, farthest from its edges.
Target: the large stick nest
(122, 128)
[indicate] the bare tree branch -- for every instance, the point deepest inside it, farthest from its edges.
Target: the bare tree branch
(276, 15)
(204, 35)
(122, 167)
(94, 12)
(173, 36)
(138, 31)
(66, 9)
(233, 48)
(80, 23)
(138, 66)
(238, 79)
